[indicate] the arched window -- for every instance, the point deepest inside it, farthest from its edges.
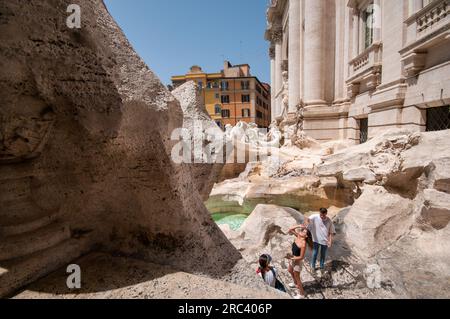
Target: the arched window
(218, 109)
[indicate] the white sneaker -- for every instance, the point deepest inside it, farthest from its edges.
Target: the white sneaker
(299, 297)
(292, 285)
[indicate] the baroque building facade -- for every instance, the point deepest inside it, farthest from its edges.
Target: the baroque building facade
(358, 67)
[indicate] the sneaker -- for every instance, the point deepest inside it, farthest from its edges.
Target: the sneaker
(299, 297)
(292, 285)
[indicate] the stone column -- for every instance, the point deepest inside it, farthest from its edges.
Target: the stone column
(314, 58)
(277, 37)
(377, 21)
(355, 33)
(340, 44)
(273, 83)
(418, 4)
(295, 26)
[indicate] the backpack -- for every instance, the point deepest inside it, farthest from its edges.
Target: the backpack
(278, 284)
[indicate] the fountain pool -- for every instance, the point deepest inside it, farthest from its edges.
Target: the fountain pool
(234, 220)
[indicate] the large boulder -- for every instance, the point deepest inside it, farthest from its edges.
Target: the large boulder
(85, 152)
(266, 231)
(402, 222)
(431, 156)
(396, 225)
(203, 131)
(377, 220)
(267, 219)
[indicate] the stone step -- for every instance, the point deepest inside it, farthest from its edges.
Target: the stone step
(12, 227)
(12, 247)
(18, 273)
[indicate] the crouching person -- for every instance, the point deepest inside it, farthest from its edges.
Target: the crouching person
(268, 273)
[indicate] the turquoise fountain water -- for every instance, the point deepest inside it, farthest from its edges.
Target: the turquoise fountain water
(234, 220)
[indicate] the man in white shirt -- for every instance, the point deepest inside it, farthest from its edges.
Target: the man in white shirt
(322, 230)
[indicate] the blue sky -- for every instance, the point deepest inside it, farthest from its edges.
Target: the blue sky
(173, 35)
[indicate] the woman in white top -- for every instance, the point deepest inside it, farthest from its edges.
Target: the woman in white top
(266, 271)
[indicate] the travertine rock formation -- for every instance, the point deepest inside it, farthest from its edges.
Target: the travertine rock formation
(305, 193)
(402, 221)
(285, 178)
(85, 152)
(266, 231)
(204, 133)
(109, 277)
(397, 188)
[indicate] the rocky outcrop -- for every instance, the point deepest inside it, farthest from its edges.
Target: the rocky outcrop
(301, 193)
(376, 220)
(395, 224)
(286, 178)
(203, 131)
(265, 232)
(109, 277)
(266, 227)
(85, 152)
(400, 218)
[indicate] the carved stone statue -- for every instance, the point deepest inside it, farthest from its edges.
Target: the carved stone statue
(285, 94)
(299, 137)
(237, 132)
(273, 137)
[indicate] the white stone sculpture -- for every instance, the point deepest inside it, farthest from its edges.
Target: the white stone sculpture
(285, 95)
(273, 137)
(249, 133)
(252, 134)
(238, 132)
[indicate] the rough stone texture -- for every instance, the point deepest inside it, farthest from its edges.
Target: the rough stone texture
(376, 220)
(401, 223)
(395, 225)
(107, 277)
(265, 231)
(85, 152)
(286, 178)
(361, 174)
(436, 209)
(267, 223)
(302, 193)
(205, 169)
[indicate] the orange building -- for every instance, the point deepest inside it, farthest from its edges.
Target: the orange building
(232, 95)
